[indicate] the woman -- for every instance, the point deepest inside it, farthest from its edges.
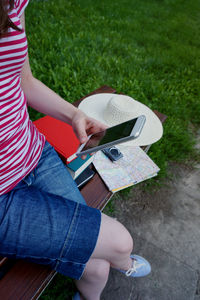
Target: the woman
(43, 217)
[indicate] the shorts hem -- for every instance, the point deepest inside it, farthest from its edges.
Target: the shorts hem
(75, 268)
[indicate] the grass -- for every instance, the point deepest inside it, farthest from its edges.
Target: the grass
(149, 50)
(146, 49)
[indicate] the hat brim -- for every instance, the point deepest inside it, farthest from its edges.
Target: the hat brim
(152, 131)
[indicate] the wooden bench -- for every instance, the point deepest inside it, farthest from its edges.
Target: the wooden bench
(23, 280)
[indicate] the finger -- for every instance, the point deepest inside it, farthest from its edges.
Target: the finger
(81, 131)
(95, 126)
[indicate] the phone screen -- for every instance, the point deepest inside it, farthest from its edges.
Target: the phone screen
(110, 135)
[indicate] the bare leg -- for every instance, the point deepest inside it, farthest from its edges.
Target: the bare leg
(114, 246)
(94, 279)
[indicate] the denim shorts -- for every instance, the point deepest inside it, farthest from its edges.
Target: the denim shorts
(45, 219)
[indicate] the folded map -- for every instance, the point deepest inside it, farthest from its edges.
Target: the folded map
(135, 166)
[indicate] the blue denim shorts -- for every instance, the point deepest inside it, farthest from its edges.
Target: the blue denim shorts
(45, 220)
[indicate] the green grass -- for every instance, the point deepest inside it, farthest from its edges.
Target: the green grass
(146, 49)
(149, 50)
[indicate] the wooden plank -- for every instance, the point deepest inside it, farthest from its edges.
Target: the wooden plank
(95, 193)
(161, 116)
(25, 281)
(5, 265)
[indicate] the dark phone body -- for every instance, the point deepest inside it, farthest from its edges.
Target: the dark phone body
(84, 177)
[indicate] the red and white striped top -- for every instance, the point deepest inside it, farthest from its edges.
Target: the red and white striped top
(20, 142)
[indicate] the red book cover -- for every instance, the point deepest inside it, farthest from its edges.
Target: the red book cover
(60, 135)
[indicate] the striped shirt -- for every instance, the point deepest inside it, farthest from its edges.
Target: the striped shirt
(20, 143)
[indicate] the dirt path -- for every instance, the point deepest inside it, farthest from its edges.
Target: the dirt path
(165, 225)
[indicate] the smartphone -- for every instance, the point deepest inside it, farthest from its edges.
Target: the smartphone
(84, 177)
(117, 134)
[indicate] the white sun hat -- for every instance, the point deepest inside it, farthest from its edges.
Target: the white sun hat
(112, 109)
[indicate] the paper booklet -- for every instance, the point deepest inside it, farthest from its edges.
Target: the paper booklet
(135, 166)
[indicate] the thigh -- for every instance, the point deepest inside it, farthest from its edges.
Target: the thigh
(52, 176)
(48, 229)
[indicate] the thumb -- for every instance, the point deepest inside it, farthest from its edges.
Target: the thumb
(83, 138)
(81, 132)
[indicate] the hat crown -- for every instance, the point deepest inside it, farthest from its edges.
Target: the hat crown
(119, 109)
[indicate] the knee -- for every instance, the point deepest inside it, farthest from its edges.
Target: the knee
(114, 238)
(125, 242)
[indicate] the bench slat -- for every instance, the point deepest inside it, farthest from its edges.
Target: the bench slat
(25, 281)
(95, 193)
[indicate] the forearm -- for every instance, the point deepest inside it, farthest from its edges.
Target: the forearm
(44, 100)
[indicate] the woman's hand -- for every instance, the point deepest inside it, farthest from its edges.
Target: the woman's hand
(84, 126)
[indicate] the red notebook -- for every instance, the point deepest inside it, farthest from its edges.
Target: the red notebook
(60, 135)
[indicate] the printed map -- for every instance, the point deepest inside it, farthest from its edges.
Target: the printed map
(135, 166)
